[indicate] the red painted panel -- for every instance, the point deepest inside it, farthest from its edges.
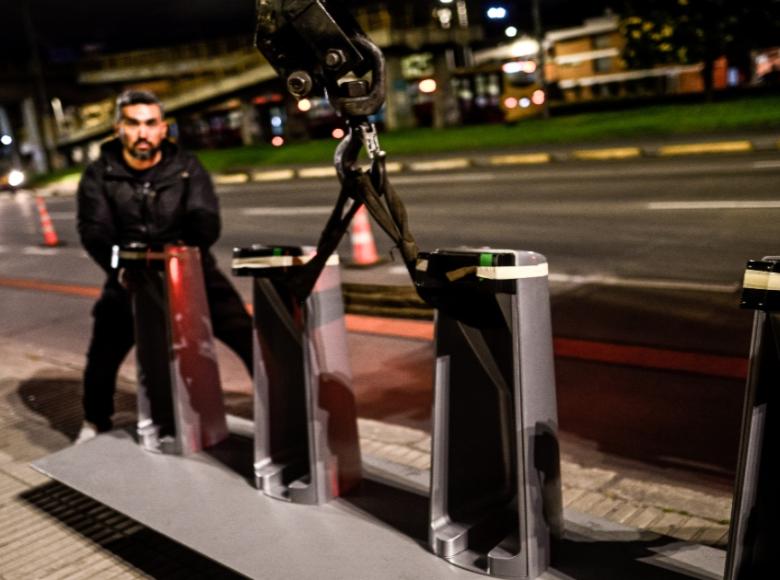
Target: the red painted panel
(200, 410)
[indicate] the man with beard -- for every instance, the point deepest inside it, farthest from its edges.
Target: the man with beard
(144, 188)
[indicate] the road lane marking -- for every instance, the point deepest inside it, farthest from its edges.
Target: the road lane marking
(766, 165)
(587, 350)
(287, 211)
(66, 251)
(41, 286)
(653, 283)
(455, 178)
(35, 251)
(715, 204)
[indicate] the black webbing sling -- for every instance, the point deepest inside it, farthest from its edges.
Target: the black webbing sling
(359, 188)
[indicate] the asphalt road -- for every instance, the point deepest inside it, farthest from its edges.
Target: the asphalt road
(684, 219)
(647, 253)
(652, 218)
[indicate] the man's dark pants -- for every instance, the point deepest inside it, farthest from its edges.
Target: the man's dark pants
(113, 337)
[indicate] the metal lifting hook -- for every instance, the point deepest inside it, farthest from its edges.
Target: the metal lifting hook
(319, 48)
(362, 134)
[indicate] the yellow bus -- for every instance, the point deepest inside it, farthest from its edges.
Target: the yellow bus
(497, 92)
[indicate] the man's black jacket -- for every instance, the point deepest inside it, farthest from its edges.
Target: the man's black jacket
(176, 204)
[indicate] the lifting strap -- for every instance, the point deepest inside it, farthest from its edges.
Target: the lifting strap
(359, 189)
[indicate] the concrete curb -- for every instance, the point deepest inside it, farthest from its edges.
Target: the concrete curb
(443, 164)
(518, 159)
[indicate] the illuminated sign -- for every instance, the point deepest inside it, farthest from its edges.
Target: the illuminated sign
(416, 66)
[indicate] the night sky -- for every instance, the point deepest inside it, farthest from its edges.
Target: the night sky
(76, 26)
(67, 29)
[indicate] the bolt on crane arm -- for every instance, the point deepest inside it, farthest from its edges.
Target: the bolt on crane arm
(320, 50)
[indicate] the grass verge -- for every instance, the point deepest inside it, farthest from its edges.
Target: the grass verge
(753, 113)
(652, 121)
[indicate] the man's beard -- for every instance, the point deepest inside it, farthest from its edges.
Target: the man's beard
(144, 154)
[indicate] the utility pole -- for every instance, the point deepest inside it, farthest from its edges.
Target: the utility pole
(542, 58)
(36, 125)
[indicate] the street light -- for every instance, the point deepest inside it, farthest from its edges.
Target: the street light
(496, 13)
(525, 47)
(427, 86)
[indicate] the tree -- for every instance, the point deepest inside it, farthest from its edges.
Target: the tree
(693, 31)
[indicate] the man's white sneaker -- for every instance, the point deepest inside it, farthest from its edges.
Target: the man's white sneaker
(88, 431)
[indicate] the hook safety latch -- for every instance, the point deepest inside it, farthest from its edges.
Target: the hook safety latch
(378, 171)
(362, 134)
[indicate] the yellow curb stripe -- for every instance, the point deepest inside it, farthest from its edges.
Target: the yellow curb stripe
(520, 159)
(315, 172)
(441, 164)
(228, 179)
(698, 148)
(278, 175)
(394, 167)
(605, 154)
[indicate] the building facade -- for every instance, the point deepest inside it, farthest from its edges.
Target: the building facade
(585, 63)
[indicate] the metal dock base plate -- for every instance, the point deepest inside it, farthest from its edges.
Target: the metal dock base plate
(206, 501)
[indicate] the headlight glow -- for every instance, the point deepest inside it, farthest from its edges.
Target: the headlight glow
(427, 86)
(15, 178)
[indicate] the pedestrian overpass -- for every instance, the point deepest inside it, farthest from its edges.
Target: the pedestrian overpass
(192, 75)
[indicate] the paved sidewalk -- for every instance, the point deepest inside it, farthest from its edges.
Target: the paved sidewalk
(627, 496)
(50, 531)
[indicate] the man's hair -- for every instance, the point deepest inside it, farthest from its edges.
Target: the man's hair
(136, 97)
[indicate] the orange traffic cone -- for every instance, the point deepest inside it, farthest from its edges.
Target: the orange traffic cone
(49, 235)
(363, 245)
